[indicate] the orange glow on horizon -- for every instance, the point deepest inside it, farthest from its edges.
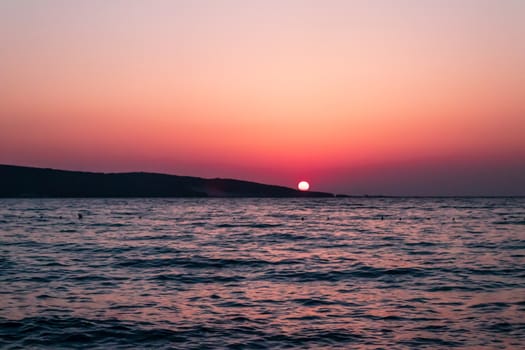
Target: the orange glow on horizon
(264, 91)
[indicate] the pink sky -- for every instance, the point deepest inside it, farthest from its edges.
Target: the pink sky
(420, 97)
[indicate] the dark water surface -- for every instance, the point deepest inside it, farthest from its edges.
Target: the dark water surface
(251, 274)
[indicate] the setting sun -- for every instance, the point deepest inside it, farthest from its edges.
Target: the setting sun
(303, 186)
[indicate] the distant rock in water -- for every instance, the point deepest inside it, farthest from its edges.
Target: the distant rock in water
(18, 181)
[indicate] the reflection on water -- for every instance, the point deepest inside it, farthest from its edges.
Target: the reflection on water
(250, 273)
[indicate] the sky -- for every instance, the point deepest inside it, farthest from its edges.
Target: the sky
(417, 97)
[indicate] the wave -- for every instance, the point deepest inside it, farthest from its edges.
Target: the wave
(58, 332)
(509, 222)
(420, 342)
(74, 332)
(195, 279)
(199, 262)
(339, 275)
(250, 225)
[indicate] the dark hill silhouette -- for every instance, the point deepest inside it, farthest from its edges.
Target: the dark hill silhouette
(18, 181)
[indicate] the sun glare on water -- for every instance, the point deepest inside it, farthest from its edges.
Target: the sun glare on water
(303, 186)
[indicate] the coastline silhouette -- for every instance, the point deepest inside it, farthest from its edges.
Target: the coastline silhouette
(20, 181)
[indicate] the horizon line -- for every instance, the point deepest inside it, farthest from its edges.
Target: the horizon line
(335, 195)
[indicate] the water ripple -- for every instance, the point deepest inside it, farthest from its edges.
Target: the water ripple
(364, 273)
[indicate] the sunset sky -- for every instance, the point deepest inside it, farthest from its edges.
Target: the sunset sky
(358, 97)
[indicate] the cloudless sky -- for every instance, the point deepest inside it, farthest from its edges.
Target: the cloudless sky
(381, 97)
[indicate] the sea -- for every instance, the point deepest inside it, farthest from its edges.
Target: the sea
(303, 273)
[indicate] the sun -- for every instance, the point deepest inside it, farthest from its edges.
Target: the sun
(303, 186)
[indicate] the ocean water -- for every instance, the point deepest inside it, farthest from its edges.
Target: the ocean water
(340, 273)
